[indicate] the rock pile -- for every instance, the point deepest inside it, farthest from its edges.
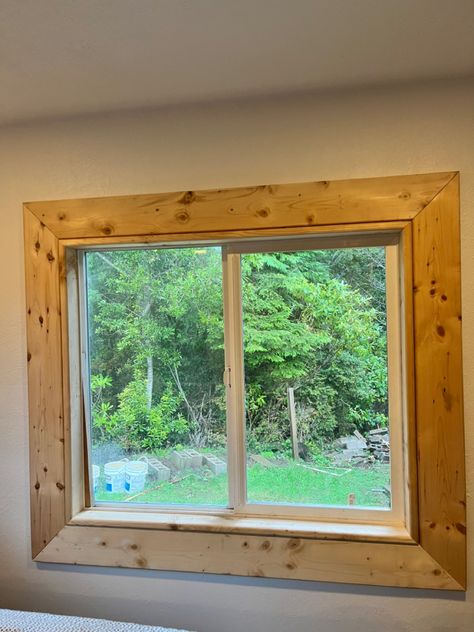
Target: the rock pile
(360, 451)
(378, 444)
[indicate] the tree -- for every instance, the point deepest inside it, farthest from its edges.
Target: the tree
(304, 329)
(310, 321)
(158, 310)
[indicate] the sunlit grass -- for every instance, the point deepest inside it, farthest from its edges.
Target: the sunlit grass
(290, 484)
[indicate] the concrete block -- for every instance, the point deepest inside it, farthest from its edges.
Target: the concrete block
(161, 472)
(181, 459)
(196, 458)
(216, 465)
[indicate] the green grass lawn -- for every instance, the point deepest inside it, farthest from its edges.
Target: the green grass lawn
(290, 484)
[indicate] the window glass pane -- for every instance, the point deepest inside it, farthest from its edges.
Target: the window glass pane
(156, 356)
(315, 359)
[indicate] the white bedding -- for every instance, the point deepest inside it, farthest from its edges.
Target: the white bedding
(17, 621)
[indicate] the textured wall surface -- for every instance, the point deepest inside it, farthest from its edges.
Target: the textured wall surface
(342, 135)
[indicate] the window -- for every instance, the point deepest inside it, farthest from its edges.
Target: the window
(155, 332)
(327, 307)
(155, 355)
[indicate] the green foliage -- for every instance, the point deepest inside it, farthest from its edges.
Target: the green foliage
(304, 329)
(140, 427)
(313, 320)
(161, 309)
(102, 422)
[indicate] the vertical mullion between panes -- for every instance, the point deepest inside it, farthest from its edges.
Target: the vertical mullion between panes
(234, 379)
(395, 391)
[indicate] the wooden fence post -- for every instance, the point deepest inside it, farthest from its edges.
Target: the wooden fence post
(292, 414)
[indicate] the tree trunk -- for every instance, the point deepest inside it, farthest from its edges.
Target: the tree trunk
(149, 382)
(149, 361)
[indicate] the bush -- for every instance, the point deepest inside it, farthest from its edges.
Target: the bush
(134, 425)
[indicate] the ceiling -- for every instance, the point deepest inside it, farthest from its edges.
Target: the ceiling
(67, 57)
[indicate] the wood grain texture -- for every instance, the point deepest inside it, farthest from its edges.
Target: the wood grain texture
(250, 555)
(408, 378)
(47, 471)
(425, 207)
(439, 396)
(345, 231)
(227, 523)
(259, 207)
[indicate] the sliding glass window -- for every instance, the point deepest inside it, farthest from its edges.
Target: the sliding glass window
(252, 377)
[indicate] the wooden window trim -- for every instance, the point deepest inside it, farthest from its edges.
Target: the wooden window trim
(430, 552)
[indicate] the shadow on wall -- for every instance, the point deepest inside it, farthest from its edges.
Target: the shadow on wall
(207, 616)
(263, 582)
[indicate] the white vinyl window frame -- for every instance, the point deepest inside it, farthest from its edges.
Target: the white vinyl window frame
(238, 505)
(236, 389)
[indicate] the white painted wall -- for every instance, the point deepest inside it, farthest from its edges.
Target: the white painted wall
(344, 135)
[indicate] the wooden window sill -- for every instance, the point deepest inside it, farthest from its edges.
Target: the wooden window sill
(253, 525)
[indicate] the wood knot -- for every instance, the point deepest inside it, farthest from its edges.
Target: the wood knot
(28, 356)
(61, 216)
(188, 198)
(291, 566)
(310, 219)
(263, 212)
(50, 256)
(41, 320)
(440, 330)
(37, 246)
(37, 485)
(141, 562)
(182, 217)
(107, 229)
(266, 545)
(436, 571)
(404, 195)
(45, 469)
(245, 545)
(60, 486)
(444, 297)
(293, 544)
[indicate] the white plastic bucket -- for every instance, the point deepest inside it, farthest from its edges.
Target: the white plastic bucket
(135, 476)
(114, 476)
(95, 477)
